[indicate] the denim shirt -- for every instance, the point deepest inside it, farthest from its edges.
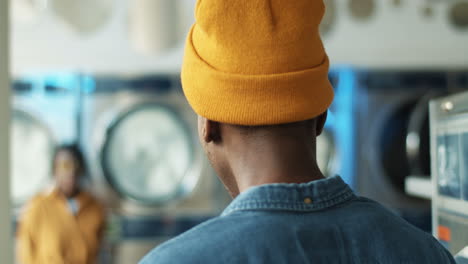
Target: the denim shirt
(321, 221)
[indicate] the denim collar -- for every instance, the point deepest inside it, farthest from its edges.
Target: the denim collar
(303, 197)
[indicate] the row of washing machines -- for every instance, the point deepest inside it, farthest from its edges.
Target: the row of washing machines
(140, 140)
(141, 147)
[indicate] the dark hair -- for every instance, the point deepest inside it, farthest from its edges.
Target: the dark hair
(75, 151)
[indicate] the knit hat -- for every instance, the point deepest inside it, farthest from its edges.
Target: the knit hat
(257, 62)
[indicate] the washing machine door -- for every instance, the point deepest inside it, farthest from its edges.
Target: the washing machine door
(418, 138)
(149, 155)
(32, 149)
(404, 141)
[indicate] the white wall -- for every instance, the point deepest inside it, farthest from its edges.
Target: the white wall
(6, 247)
(399, 37)
(394, 37)
(49, 43)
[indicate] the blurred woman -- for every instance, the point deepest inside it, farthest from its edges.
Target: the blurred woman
(64, 224)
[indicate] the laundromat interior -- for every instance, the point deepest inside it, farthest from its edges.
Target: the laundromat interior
(104, 75)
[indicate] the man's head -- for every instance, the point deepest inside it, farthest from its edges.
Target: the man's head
(256, 73)
(225, 143)
(68, 167)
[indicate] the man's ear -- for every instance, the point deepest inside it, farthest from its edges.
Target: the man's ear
(320, 123)
(211, 131)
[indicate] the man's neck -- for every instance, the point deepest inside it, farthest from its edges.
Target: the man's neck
(282, 161)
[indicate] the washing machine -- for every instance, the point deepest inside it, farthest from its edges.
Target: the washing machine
(392, 135)
(44, 114)
(140, 139)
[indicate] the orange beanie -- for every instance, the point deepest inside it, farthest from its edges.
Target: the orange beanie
(257, 62)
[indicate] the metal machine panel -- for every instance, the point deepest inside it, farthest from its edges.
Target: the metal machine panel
(449, 147)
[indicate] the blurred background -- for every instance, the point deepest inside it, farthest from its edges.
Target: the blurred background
(105, 74)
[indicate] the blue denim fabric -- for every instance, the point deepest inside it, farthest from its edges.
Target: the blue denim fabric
(317, 222)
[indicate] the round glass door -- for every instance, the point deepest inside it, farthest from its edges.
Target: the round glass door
(404, 143)
(32, 150)
(148, 154)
